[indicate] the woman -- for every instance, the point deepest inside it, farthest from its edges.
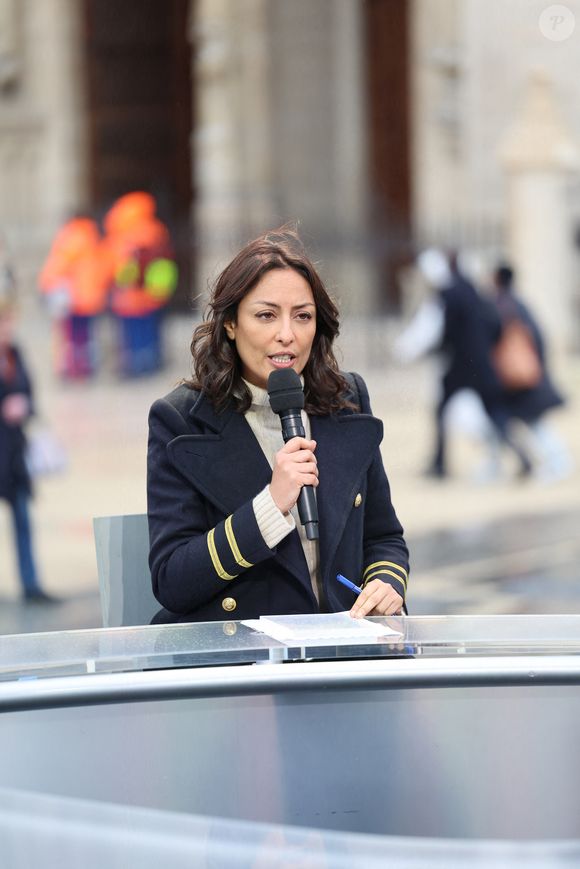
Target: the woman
(222, 487)
(530, 404)
(15, 410)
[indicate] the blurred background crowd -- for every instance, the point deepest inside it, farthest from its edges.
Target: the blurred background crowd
(430, 151)
(128, 270)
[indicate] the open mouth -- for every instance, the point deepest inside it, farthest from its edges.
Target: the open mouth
(282, 360)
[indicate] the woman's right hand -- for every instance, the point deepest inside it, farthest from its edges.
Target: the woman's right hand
(294, 466)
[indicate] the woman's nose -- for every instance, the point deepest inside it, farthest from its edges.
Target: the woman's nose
(285, 332)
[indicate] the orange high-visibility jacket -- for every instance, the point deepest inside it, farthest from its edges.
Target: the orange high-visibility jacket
(75, 264)
(135, 237)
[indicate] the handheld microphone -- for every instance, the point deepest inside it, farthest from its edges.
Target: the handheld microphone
(287, 400)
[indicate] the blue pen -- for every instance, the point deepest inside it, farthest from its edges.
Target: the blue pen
(348, 583)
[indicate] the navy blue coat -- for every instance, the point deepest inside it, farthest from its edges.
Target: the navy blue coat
(14, 475)
(208, 558)
(471, 327)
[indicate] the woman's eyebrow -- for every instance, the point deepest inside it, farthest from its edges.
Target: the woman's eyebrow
(294, 307)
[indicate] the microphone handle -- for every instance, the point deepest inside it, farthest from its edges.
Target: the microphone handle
(308, 512)
(307, 509)
(292, 425)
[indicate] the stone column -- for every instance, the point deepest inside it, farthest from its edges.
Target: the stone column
(281, 133)
(538, 156)
(231, 159)
(59, 87)
(42, 119)
(350, 265)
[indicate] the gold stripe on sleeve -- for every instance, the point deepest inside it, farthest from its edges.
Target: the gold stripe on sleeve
(234, 546)
(387, 564)
(218, 566)
(382, 572)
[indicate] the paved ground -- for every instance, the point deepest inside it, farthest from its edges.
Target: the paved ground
(501, 547)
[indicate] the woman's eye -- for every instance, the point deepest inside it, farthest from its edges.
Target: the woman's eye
(304, 315)
(265, 315)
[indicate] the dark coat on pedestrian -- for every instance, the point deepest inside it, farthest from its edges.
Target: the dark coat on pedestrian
(529, 404)
(471, 327)
(208, 557)
(14, 476)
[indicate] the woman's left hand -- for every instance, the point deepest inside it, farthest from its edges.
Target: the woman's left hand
(378, 598)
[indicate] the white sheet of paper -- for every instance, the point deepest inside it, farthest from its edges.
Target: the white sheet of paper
(320, 629)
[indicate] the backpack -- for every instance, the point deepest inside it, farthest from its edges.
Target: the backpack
(516, 358)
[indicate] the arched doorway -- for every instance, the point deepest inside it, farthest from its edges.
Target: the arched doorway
(139, 105)
(388, 84)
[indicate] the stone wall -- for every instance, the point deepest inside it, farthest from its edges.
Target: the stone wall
(281, 124)
(42, 152)
(281, 132)
(472, 61)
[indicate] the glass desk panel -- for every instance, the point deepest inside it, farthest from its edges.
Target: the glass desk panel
(205, 644)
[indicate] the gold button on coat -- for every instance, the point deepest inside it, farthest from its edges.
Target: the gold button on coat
(230, 628)
(358, 500)
(229, 604)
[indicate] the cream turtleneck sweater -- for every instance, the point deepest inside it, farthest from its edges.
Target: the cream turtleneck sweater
(273, 524)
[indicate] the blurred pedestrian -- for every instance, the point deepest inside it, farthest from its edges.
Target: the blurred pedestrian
(470, 327)
(16, 407)
(423, 333)
(529, 389)
(144, 276)
(74, 283)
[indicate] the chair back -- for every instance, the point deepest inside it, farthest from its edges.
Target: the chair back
(122, 544)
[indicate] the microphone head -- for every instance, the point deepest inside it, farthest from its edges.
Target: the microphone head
(285, 390)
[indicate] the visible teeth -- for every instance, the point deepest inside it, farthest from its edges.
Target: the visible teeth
(282, 358)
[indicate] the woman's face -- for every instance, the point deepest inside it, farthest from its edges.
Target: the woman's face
(275, 326)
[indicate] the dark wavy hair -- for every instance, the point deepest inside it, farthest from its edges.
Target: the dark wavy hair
(216, 364)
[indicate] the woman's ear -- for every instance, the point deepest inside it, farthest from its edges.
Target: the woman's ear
(230, 330)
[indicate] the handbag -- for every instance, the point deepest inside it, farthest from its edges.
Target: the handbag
(45, 454)
(516, 358)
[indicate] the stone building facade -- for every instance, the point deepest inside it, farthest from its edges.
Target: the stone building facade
(378, 124)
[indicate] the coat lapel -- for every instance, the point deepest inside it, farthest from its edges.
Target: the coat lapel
(345, 448)
(225, 462)
(228, 467)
